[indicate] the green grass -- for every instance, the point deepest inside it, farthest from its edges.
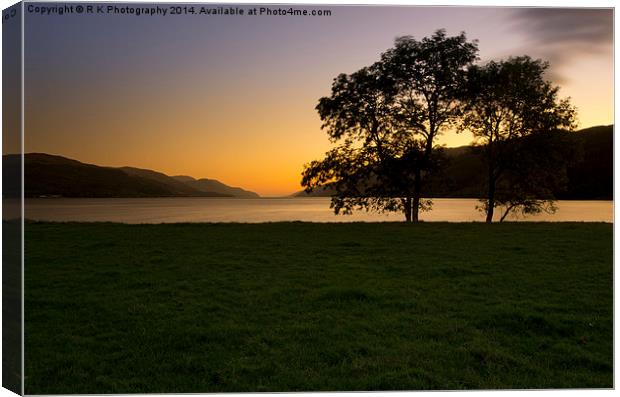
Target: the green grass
(114, 308)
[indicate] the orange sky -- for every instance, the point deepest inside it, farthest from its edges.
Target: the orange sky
(234, 100)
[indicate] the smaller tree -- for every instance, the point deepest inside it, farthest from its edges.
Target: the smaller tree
(536, 168)
(507, 103)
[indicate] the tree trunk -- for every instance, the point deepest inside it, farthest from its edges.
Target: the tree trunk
(491, 197)
(417, 192)
(407, 204)
(415, 209)
(505, 214)
(417, 182)
(491, 192)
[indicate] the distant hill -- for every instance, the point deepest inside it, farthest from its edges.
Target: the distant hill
(211, 185)
(323, 191)
(592, 176)
(589, 164)
(589, 168)
(176, 187)
(56, 176)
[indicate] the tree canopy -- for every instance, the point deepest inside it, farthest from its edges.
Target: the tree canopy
(359, 115)
(384, 120)
(505, 102)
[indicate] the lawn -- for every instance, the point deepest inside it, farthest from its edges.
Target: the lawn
(114, 308)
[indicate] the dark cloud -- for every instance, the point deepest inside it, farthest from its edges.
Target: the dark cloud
(559, 35)
(570, 26)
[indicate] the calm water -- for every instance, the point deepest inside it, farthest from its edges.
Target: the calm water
(164, 210)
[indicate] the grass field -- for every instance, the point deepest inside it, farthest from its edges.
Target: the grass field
(114, 308)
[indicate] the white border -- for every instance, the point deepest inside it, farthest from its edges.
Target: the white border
(480, 3)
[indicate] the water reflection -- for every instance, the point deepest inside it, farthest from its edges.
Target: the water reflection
(166, 210)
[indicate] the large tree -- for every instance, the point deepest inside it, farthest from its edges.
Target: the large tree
(385, 118)
(367, 168)
(429, 74)
(507, 104)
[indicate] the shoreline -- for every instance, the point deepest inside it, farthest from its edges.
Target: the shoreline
(35, 221)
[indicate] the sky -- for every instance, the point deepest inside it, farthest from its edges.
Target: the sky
(232, 97)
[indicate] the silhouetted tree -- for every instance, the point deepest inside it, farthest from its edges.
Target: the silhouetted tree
(386, 118)
(429, 74)
(505, 103)
(536, 167)
(368, 169)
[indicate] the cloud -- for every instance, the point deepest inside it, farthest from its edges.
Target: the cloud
(560, 35)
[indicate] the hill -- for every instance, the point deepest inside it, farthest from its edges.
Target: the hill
(589, 168)
(588, 161)
(175, 186)
(212, 185)
(56, 176)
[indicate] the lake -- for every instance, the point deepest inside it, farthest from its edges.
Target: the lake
(167, 210)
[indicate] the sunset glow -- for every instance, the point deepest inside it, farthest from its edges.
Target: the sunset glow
(232, 98)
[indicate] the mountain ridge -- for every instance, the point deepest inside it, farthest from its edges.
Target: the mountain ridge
(48, 175)
(206, 184)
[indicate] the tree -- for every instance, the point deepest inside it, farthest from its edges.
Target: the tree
(535, 169)
(429, 74)
(367, 168)
(386, 118)
(507, 103)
